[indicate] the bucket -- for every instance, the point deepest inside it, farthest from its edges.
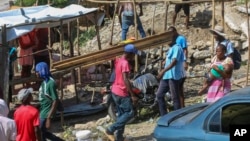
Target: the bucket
(83, 135)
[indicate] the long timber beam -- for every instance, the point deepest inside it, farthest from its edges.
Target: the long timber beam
(156, 1)
(110, 53)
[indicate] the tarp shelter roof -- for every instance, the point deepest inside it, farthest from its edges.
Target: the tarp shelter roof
(24, 20)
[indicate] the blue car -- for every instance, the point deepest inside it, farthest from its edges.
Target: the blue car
(205, 121)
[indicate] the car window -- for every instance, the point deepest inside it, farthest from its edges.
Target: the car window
(237, 113)
(214, 123)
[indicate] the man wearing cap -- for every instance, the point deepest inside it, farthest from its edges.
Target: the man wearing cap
(122, 93)
(27, 118)
(219, 36)
(7, 125)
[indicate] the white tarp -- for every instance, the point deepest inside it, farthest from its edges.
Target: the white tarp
(24, 20)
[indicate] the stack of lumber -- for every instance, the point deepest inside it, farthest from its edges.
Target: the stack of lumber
(110, 53)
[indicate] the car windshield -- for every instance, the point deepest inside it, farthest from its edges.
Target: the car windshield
(187, 116)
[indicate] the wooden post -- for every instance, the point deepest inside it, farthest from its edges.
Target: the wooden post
(166, 15)
(61, 58)
(50, 46)
(248, 28)
(4, 64)
(97, 32)
(78, 46)
(213, 22)
(153, 19)
(223, 14)
(136, 35)
(113, 21)
(135, 19)
(73, 73)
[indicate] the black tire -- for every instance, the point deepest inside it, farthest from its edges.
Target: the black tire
(113, 114)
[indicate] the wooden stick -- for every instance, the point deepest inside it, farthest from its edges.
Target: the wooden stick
(97, 33)
(153, 19)
(248, 28)
(223, 14)
(61, 58)
(48, 48)
(166, 16)
(213, 22)
(93, 95)
(136, 35)
(113, 21)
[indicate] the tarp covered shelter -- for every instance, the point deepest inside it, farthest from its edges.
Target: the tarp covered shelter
(24, 20)
(17, 22)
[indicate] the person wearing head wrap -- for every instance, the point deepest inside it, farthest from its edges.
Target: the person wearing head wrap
(48, 100)
(7, 125)
(27, 118)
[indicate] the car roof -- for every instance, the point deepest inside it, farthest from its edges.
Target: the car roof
(238, 94)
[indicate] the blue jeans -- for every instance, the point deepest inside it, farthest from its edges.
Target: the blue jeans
(173, 86)
(125, 111)
(45, 133)
(127, 21)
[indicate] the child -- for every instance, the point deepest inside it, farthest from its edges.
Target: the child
(214, 74)
(218, 70)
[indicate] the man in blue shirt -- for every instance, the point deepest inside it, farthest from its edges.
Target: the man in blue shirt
(171, 76)
(181, 41)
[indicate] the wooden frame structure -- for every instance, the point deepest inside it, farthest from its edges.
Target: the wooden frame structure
(4, 75)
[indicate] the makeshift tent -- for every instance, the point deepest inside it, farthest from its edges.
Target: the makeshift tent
(24, 20)
(17, 22)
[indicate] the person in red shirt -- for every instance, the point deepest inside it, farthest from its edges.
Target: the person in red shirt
(27, 118)
(122, 93)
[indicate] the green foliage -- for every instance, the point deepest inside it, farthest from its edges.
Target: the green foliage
(55, 3)
(25, 2)
(85, 36)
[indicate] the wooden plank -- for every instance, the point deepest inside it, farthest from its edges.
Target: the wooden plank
(106, 54)
(156, 1)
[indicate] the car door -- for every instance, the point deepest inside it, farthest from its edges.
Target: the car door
(235, 112)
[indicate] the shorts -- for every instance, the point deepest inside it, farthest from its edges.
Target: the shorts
(185, 8)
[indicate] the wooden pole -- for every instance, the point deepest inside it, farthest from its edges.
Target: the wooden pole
(136, 35)
(4, 64)
(213, 22)
(113, 21)
(153, 21)
(78, 46)
(166, 16)
(97, 33)
(49, 46)
(248, 28)
(73, 73)
(223, 14)
(61, 58)
(135, 19)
